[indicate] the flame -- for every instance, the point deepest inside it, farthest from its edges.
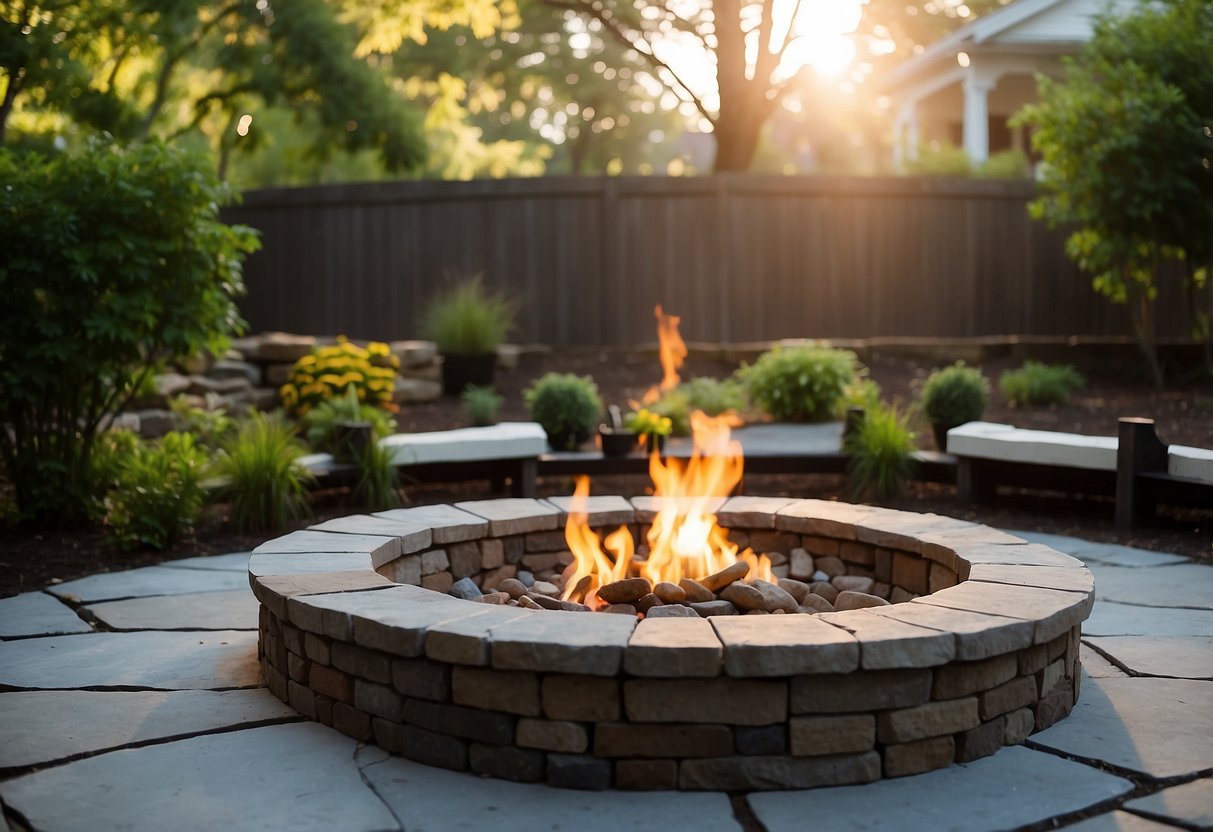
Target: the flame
(672, 351)
(685, 541)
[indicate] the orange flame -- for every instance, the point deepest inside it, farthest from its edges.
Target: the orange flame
(672, 351)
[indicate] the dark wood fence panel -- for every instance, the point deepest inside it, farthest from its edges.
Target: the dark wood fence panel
(740, 258)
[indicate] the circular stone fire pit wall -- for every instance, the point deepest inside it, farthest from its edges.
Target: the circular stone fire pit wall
(356, 631)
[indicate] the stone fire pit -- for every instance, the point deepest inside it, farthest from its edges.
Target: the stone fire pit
(357, 631)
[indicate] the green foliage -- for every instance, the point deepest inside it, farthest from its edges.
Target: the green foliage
(114, 261)
(261, 475)
(158, 493)
(799, 384)
(862, 392)
(942, 160)
(321, 423)
(1125, 140)
(111, 449)
(1040, 384)
(712, 396)
(481, 404)
(881, 453)
(329, 373)
(567, 406)
(377, 488)
(1007, 164)
(955, 395)
(210, 428)
(645, 422)
(467, 319)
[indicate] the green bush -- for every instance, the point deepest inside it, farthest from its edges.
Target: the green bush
(377, 488)
(862, 392)
(261, 475)
(210, 428)
(567, 406)
(647, 423)
(481, 404)
(881, 453)
(321, 423)
(712, 396)
(114, 261)
(329, 372)
(799, 384)
(955, 395)
(940, 160)
(1008, 164)
(467, 319)
(112, 448)
(158, 494)
(1040, 384)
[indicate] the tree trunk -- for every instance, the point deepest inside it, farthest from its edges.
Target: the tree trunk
(736, 143)
(1141, 310)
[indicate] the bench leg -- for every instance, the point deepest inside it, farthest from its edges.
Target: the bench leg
(522, 484)
(1138, 450)
(973, 484)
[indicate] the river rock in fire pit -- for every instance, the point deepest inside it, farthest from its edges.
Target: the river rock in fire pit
(857, 600)
(775, 598)
(546, 588)
(496, 598)
(627, 591)
(743, 596)
(825, 589)
(512, 587)
(814, 604)
(797, 589)
(573, 606)
(648, 602)
(619, 609)
(800, 564)
(466, 589)
(546, 601)
(670, 593)
(831, 566)
(706, 609)
(726, 576)
(527, 603)
(696, 592)
(671, 611)
(853, 583)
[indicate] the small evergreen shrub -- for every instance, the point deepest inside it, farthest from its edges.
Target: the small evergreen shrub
(261, 475)
(567, 406)
(481, 404)
(321, 424)
(467, 319)
(158, 492)
(1040, 384)
(862, 392)
(955, 395)
(329, 371)
(799, 384)
(881, 453)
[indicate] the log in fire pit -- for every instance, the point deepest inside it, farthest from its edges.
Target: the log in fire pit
(947, 639)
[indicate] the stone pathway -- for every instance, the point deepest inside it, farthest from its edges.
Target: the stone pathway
(132, 701)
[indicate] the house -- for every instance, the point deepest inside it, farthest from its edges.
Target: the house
(962, 89)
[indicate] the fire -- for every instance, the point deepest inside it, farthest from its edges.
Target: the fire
(672, 351)
(684, 539)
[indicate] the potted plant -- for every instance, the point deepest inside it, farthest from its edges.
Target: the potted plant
(468, 323)
(953, 396)
(652, 428)
(567, 406)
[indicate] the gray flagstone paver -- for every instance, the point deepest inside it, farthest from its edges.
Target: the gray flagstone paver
(1120, 822)
(150, 580)
(300, 776)
(1190, 803)
(1096, 666)
(1182, 585)
(1181, 657)
(169, 661)
(1110, 553)
(43, 726)
(232, 610)
(38, 614)
(234, 562)
(1112, 619)
(457, 801)
(1159, 727)
(1013, 788)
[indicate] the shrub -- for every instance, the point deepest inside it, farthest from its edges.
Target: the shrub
(321, 424)
(114, 261)
(158, 492)
(378, 479)
(261, 475)
(467, 319)
(955, 395)
(1007, 164)
(481, 404)
(881, 453)
(799, 384)
(1040, 384)
(111, 449)
(646, 423)
(862, 392)
(210, 428)
(567, 406)
(330, 371)
(940, 160)
(712, 396)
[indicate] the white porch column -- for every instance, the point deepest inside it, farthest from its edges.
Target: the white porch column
(977, 117)
(905, 134)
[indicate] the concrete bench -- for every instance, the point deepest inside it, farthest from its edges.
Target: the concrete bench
(1151, 472)
(989, 454)
(506, 451)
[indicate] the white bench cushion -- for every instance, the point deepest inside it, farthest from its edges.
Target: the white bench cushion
(1190, 463)
(508, 440)
(1006, 443)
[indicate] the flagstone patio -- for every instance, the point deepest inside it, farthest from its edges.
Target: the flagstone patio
(132, 700)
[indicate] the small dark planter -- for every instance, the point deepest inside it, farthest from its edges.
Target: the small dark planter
(616, 442)
(458, 371)
(352, 439)
(566, 439)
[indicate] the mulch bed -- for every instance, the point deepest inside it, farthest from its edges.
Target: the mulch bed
(1183, 411)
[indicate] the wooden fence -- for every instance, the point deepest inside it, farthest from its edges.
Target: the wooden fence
(741, 258)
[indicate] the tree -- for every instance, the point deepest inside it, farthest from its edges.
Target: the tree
(898, 29)
(115, 261)
(747, 89)
(171, 68)
(1126, 139)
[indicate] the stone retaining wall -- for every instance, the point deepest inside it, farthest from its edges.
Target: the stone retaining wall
(982, 652)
